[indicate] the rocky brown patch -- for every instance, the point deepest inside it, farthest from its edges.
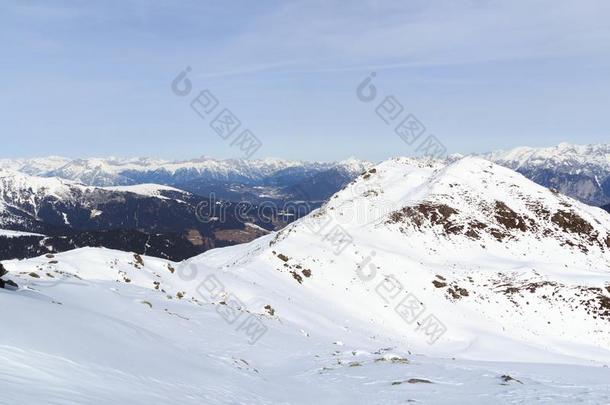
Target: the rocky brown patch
(393, 360)
(473, 229)
(138, 259)
(366, 175)
(297, 276)
(432, 213)
(413, 381)
(540, 210)
(571, 222)
(499, 235)
(456, 292)
(195, 237)
(508, 379)
(270, 309)
(509, 218)
(245, 235)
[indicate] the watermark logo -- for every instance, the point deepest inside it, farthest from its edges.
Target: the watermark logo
(204, 103)
(366, 91)
(181, 85)
(433, 328)
(409, 309)
(338, 238)
(225, 124)
(228, 305)
(213, 210)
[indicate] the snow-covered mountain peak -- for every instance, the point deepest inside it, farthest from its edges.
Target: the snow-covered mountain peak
(354, 165)
(469, 202)
(562, 154)
(580, 171)
(480, 246)
(14, 182)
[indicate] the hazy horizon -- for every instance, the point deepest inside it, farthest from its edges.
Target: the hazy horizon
(202, 157)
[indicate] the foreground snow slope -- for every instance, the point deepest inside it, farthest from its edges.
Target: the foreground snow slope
(104, 334)
(457, 275)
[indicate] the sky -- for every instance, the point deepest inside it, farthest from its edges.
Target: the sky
(94, 78)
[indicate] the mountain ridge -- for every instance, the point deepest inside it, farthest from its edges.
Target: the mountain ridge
(119, 171)
(148, 218)
(580, 171)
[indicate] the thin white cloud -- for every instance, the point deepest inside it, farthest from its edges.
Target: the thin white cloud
(343, 35)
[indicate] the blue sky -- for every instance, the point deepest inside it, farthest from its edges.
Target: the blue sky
(92, 78)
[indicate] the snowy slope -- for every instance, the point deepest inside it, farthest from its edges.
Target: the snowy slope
(102, 330)
(516, 277)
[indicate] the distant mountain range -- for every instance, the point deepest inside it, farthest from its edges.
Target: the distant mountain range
(150, 206)
(579, 171)
(251, 180)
